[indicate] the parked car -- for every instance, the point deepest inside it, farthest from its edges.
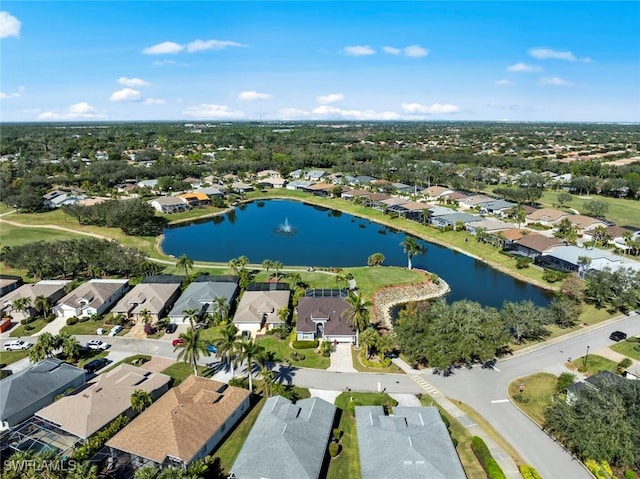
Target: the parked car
(115, 330)
(97, 345)
(95, 364)
(211, 348)
(100, 331)
(177, 342)
(171, 328)
(17, 345)
(618, 336)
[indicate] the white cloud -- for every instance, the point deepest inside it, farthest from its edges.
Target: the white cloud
(504, 81)
(435, 109)
(200, 45)
(392, 50)
(154, 101)
(76, 111)
(555, 81)
(126, 94)
(163, 48)
(253, 95)
(549, 54)
(330, 98)
(523, 68)
(14, 94)
(212, 111)
(134, 82)
(163, 62)
(9, 25)
(415, 51)
(359, 50)
(331, 111)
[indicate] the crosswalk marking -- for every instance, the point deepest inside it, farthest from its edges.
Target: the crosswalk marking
(425, 385)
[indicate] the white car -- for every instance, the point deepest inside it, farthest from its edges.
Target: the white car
(17, 345)
(96, 344)
(115, 330)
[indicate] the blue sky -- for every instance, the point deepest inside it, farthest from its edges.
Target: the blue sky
(236, 60)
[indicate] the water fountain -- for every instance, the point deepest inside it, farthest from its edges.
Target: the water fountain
(286, 228)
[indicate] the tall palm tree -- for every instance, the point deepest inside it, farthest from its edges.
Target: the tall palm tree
(185, 262)
(251, 351)
(83, 470)
(70, 346)
(228, 346)
(21, 304)
(146, 472)
(140, 400)
(358, 313)
(267, 264)
(46, 344)
(411, 248)
(277, 265)
(191, 315)
(221, 308)
(191, 348)
(42, 305)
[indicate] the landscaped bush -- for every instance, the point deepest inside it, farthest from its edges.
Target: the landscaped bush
(72, 320)
(334, 449)
(92, 445)
(522, 262)
(385, 363)
(337, 434)
(137, 360)
(625, 363)
(553, 276)
(483, 454)
(305, 344)
(83, 319)
(296, 356)
(602, 469)
(628, 474)
(528, 472)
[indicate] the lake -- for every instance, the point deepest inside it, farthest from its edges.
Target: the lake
(325, 237)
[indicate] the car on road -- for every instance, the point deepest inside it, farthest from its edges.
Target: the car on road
(211, 348)
(618, 336)
(97, 345)
(17, 345)
(95, 364)
(177, 342)
(171, 328)
(115, 330)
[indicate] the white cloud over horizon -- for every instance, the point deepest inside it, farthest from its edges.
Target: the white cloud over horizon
(9, 25)
(359, 50)
(326, 111)
(414, 51)
(554, 81)
(126, 94)
(76, 111)
(252, 95)
(330, 98)
(434, 109)
(205, 110)
(163, 48)
(521, 67)
(166, 48)
(15, 94)
(550, 54)
(132, 82)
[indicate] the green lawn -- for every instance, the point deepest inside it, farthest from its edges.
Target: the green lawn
(12, 235)
(630, 348)
(594, 364)
(347, 464)
(28, 330)
(135, 360)
(282, 351)
(180, 371)
(8, 357)
(537, 396)
(90, 327)
(357, 364)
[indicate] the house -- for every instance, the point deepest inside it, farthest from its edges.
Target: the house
(268, 174)
(601, 379)
(195, 183)
(615, 233)
(412, 210)
(201, 295)
(152, 184)
(94, 297)
(31, 389)
(272, 182)
(496, 207)
(408, 443)
(324, 317)
(453, 219)
(154, 299)
(546, 216)
(581, 260)
(287, 441)
(51, 289)
(583, 222)
(296, 174)
(433, 192)
(57, 198)
(211, 191)
(324, 190)
(9, 283)
(361, 180)
(195, 199)
(352, 193)
(241, 188)
(475, 200)
(388, 203)
(169, 204)
(184, 425)
(299, 184)
(489, 226)
(532, 245)
(314, 175)
(260, 305)
(88, 409)
(506, 237)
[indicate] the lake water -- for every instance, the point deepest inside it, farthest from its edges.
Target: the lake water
(324, 237)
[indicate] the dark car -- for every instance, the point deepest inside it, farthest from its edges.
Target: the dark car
(618, 336)
(171, 328)
(95, 364)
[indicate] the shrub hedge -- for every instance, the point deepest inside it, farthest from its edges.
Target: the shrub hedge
(600, 469)
(628, 474)
(72, 320)
(529, 472)
(334, 449)
(305, 344)
(483, 454)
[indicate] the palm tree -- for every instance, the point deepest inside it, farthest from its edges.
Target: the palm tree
(221, 308)
(146, 472)
(191, 348)
(412, 248)
(228, 345)
(268, 380)
(83, 470)
(140, 400)
(21, 304)
(277, 265)
(358, 313)
(70, 346)
(42, 305)
(267, 264)
(251, 351)
(185, 262)
(192, 315)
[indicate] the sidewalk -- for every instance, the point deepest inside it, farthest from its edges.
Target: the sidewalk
(500, 455)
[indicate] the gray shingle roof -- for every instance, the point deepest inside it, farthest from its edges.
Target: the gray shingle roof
(287, 441)
(200, 293)
(412, 443)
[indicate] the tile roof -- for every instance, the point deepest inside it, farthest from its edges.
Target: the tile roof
(255, 304)
(538, 242)
(547, 214)
(95, 292)
(150, 296)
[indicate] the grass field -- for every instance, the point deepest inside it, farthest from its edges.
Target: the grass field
(594, 364)
(282, 351)
(630, 348)
(538, 394)
(357, 364)
(28, 330)
(8, 357)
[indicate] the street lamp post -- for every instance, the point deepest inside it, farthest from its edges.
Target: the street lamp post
(586, 357)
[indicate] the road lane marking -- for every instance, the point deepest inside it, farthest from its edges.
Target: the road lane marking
(498, 401)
